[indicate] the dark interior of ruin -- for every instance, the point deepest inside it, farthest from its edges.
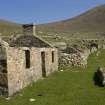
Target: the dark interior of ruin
(3, 72)
(94, 45)
(3, 60)
(43, 64)
(27, 57)
(52, 56)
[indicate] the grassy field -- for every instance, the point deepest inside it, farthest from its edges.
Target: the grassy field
(73, 86)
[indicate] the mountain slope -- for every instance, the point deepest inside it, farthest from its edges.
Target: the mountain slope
(7, 28)
(90, 21)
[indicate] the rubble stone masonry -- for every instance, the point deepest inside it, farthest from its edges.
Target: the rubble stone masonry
(18, 75)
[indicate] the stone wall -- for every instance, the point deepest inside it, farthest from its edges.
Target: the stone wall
(74, 59)
(18, 75)
(93, 49)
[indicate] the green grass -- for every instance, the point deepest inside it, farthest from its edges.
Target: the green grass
(73, 86)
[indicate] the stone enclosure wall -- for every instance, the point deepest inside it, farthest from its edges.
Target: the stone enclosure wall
(18, 75)
(74, 59)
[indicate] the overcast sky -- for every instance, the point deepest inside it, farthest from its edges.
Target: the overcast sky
(44, 11)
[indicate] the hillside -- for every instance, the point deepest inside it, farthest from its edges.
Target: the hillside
(7, 28)
(89, 24)
(91, 21)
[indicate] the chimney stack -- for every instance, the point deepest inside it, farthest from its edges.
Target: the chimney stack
(29, 29)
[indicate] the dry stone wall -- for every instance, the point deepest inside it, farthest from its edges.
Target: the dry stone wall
(74, 59)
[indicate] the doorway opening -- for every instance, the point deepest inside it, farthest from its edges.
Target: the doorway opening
(43, 64)
(27, 57)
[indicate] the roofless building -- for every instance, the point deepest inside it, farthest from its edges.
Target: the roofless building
(25, 59)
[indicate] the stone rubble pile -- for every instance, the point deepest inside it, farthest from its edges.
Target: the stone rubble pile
(93, 49)
(74, 59)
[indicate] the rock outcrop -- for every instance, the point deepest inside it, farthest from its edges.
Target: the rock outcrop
(101, 75)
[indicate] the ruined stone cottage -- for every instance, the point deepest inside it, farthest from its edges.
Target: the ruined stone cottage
(25, 59)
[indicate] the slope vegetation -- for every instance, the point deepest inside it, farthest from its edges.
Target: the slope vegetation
(8, 28)
(90, 21)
